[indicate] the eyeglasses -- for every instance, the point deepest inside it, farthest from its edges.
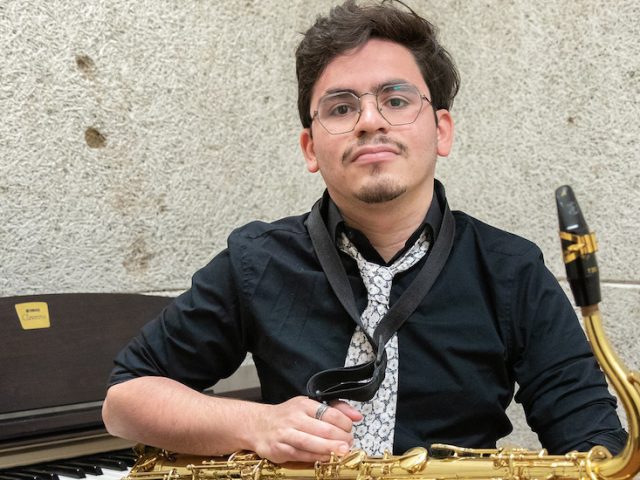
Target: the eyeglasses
(398, 104)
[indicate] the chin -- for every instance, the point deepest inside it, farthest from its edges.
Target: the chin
(380, 193)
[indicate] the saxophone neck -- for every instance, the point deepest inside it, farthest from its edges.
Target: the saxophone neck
(626, 383)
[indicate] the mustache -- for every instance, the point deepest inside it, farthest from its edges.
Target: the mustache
(377, 140)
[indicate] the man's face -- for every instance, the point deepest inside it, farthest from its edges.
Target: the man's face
(376, 162)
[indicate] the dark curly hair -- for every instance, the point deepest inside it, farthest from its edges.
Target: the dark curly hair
(350, 25)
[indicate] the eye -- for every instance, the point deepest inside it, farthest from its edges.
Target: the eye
(341, 110)
(398, 97)
(396, 102)
(338, 106)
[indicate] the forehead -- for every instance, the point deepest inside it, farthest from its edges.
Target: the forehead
(363, 69)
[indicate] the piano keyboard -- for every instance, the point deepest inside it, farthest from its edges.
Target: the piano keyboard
(103, 466)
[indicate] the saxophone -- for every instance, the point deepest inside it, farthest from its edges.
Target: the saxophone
(448, 461)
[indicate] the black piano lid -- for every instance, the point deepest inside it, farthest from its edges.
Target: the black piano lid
(53, 380)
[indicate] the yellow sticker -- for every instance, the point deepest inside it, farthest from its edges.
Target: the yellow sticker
(33, 315)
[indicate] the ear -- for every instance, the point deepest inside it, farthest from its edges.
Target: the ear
(308, 150)
(444, 132)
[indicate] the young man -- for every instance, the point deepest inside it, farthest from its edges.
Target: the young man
(375, 89)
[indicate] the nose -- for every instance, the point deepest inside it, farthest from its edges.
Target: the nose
(371, 120)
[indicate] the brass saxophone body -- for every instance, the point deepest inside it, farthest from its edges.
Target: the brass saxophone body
(456, 463)
(446, 461)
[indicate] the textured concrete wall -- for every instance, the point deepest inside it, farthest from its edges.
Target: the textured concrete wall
(136, 135)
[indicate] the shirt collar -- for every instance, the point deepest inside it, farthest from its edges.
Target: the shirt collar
(431, 223)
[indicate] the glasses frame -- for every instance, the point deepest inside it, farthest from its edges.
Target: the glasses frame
(423, 98)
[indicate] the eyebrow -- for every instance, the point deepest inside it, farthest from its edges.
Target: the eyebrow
(376, 89)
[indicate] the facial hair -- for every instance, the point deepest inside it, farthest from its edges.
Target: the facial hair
(380, 189)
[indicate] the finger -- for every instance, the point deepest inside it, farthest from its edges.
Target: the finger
(336, 418)
(328, 430)
(287, 453)
(347, 410)
(334, 424)
(321, 410)
(317, 445)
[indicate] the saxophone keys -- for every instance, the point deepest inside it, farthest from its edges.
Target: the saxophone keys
(353, 459)
(414, 460)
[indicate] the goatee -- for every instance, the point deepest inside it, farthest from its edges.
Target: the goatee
(381, 191)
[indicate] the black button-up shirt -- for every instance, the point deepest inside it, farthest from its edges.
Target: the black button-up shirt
(495, 316)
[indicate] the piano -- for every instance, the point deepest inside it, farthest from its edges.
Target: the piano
(56, 358)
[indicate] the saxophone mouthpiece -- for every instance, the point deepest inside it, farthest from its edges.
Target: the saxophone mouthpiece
(569, 214)
(578, 246)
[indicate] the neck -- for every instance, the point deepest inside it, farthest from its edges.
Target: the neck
(387, 225)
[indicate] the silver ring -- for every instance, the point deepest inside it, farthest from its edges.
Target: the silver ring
(323, 407)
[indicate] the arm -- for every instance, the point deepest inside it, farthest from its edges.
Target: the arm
(562, 390)
(201, 337)
(162, 412)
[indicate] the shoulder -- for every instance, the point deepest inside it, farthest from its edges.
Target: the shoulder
(257, 231)
(284, 242)
(264, 254)
(492, 240)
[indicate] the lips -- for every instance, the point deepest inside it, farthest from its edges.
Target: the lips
(374, 153)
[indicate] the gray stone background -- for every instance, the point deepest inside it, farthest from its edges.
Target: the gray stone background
(136, 135)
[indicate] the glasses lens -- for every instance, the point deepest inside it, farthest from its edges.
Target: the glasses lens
(399, 104)
(338, 112)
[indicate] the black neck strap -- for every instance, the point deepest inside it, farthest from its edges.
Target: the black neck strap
(361, 382)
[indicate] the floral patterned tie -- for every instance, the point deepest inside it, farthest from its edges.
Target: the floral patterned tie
(374, 434)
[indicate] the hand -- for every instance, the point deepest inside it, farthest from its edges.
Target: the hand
(290, 432)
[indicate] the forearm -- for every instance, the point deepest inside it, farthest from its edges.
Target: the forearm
(162, 412)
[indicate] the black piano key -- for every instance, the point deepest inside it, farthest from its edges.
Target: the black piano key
(12, 475)
(128, 460)
(118, 453)
(41, 473)
(65, 470)
(16, 476)
(105, 462)
(86, 467)
(127, 452)
(78, 467)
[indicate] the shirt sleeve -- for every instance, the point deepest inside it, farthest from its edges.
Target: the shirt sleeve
(197, 340)
(561, 387)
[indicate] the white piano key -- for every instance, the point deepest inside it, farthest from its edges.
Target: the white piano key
(111, 474)
(107, 474)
